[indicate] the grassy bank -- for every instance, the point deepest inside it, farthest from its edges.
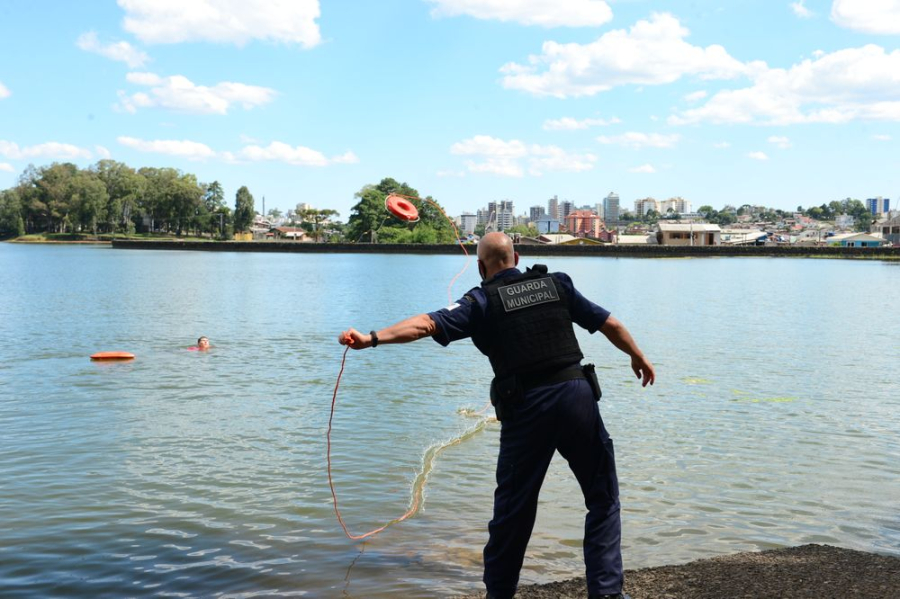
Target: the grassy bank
(100, 238)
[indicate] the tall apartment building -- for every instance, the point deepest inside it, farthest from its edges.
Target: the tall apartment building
(536, 212)
(584, 223)
(467, 223)
(642, 207)
(879, 206)
(598, 210)
(565, 209)
(506, 217)
(611, 208)
(553, 208)
(677, 204)
(501, 214)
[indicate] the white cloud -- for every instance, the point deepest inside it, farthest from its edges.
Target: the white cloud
(547, 13)
(695, 96)
(490, 146)
(345, 158)
(192, 150)
(652, 52)
(278, 151)
(881, 137)
(120, 51)
(223, 21)
(757, 156)
(800, 10)
(4, 91)
(6, 167)
(722, 145)
(180, 94)
(782, 142)
(868, 16)
(102, 152)
(570, 124)
(636, 140)
(510, 158)
(644, 168)
(555, 159)
(51, 149)
(850, 84)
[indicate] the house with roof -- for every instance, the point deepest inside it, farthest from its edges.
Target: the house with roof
(289, 233)
(890, 230)
(695, 234)
(860, 240)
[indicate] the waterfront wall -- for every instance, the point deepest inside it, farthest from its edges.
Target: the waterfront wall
(621, 251)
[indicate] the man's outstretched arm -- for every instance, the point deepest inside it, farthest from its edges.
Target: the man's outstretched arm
(619, 336)
(411, 329)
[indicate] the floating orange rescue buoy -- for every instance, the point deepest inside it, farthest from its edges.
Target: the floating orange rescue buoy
(112, 355)
(401, 208)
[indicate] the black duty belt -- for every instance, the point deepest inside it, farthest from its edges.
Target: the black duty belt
(541, 379)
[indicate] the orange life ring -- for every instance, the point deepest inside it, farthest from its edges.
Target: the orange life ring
(401, 208)
(112, 355)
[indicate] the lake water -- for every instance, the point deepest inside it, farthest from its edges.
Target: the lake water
(775, 421)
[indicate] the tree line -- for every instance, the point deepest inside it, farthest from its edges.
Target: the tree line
(112, 197)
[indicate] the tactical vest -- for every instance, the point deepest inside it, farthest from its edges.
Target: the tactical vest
(528, 325)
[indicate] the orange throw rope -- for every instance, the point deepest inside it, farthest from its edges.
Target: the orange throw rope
(415, 500)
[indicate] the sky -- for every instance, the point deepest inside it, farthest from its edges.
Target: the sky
(773, 102)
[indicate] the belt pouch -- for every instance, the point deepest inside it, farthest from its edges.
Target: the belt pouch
(505, 393)
(590, 373)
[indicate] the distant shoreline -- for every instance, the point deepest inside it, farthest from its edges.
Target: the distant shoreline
(60, 242)
(618, 251)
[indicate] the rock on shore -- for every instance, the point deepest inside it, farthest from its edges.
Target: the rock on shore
(819, 571)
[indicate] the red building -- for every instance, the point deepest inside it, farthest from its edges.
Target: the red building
(584, 223)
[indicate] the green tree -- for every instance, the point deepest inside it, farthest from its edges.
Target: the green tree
(187, 207)
(159, 198)
(124, 187)
(11, 214)
(244, 210)
(214, 196)
(524, 230)
(55, 191)
(370, 221)
(317, 215)
(215, 209)
(367, 215)
(89, 200)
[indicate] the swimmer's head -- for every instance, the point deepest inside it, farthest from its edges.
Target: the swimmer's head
(203, 343)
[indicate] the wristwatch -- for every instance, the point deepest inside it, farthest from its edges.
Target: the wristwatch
(374, 337)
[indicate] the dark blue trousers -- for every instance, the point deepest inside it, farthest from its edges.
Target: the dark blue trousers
(563, 417)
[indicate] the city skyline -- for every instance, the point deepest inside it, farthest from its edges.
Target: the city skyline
(469, 102)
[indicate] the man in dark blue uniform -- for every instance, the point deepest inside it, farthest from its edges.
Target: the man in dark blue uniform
(545, 400)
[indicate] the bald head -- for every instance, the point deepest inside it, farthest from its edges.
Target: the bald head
(496, 253)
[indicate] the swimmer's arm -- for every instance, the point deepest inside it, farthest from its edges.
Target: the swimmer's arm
(405, 331)
(619, 336)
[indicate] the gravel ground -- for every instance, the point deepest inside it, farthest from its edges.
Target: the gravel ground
(819, 571)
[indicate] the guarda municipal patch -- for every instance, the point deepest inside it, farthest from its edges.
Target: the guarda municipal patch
(528, 293)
